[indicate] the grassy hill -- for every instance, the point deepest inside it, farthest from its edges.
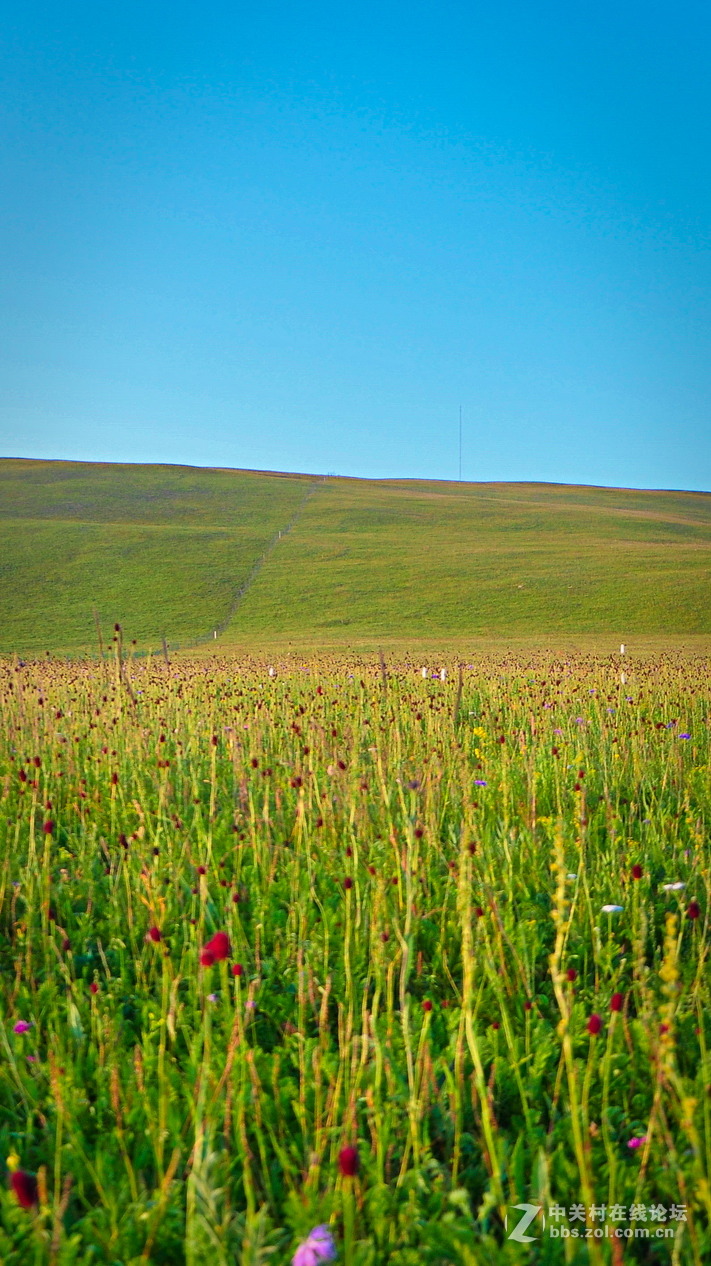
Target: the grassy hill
(182, 551)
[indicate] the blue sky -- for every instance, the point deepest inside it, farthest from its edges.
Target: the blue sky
(297, 236)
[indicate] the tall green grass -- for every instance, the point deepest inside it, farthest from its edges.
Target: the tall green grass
(412, 874)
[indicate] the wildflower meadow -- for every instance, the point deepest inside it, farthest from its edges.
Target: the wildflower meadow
(346, 959)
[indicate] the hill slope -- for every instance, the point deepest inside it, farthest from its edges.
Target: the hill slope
(167, 549)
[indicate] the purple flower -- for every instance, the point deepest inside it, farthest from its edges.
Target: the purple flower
(634, 1143)
(319, 1247)
(685, 736)
(22, 1026)
(480, 782)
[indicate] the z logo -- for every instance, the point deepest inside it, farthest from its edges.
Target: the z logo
(519, 1232)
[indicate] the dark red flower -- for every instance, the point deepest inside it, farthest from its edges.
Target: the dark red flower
(202, 870)
(348, 1161)
(66, 944)
(693, 910)
(93, 987)
(496, 1025)
(154, 934)
(24, 1186)
(207, 958)
(237, 969)
(571, 974)
(616, 1001)
(219, 946)
(426, 1005)
(637, 871)
(347, 882)
(527, 1006)
(48, 826)
(479, 912)
(594, 1024)
(385, 936)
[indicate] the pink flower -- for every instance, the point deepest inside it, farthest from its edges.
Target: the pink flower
(22, 1026)
(319, 1247)
(219, 947)
(634, 1143)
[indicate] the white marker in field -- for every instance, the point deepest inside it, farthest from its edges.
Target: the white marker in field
(623, 678)
(442, 674)
(271, 671)
(215, 633)
(622, 649)
(424, 673)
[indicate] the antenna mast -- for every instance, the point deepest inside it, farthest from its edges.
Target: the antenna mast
(460, 443)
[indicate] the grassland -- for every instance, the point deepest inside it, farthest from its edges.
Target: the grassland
(467, 935)
(167, 550)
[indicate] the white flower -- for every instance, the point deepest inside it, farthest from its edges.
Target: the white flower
(675, 887)
(612, 909)
(571, 876)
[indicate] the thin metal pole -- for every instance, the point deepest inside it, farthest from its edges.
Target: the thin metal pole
(460, 443)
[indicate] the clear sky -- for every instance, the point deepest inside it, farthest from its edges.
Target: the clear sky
(298, 235)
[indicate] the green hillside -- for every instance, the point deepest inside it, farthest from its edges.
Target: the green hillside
(168, 549)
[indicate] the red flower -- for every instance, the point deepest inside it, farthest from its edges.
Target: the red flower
(528, 1006)
(347, 882)
(154, 934)
(66, 944)
(348, 1161)
(636, 871)
(693, 910)
(201, 870)
(218, 947)
(207, 957)
(479, 912)
(24, 1186)
(426, 1005)
(237, 969)
(616, 1001)
(594, 1024)
(48, 827)
(93, 987)
(496, 1025)
(571, 974)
